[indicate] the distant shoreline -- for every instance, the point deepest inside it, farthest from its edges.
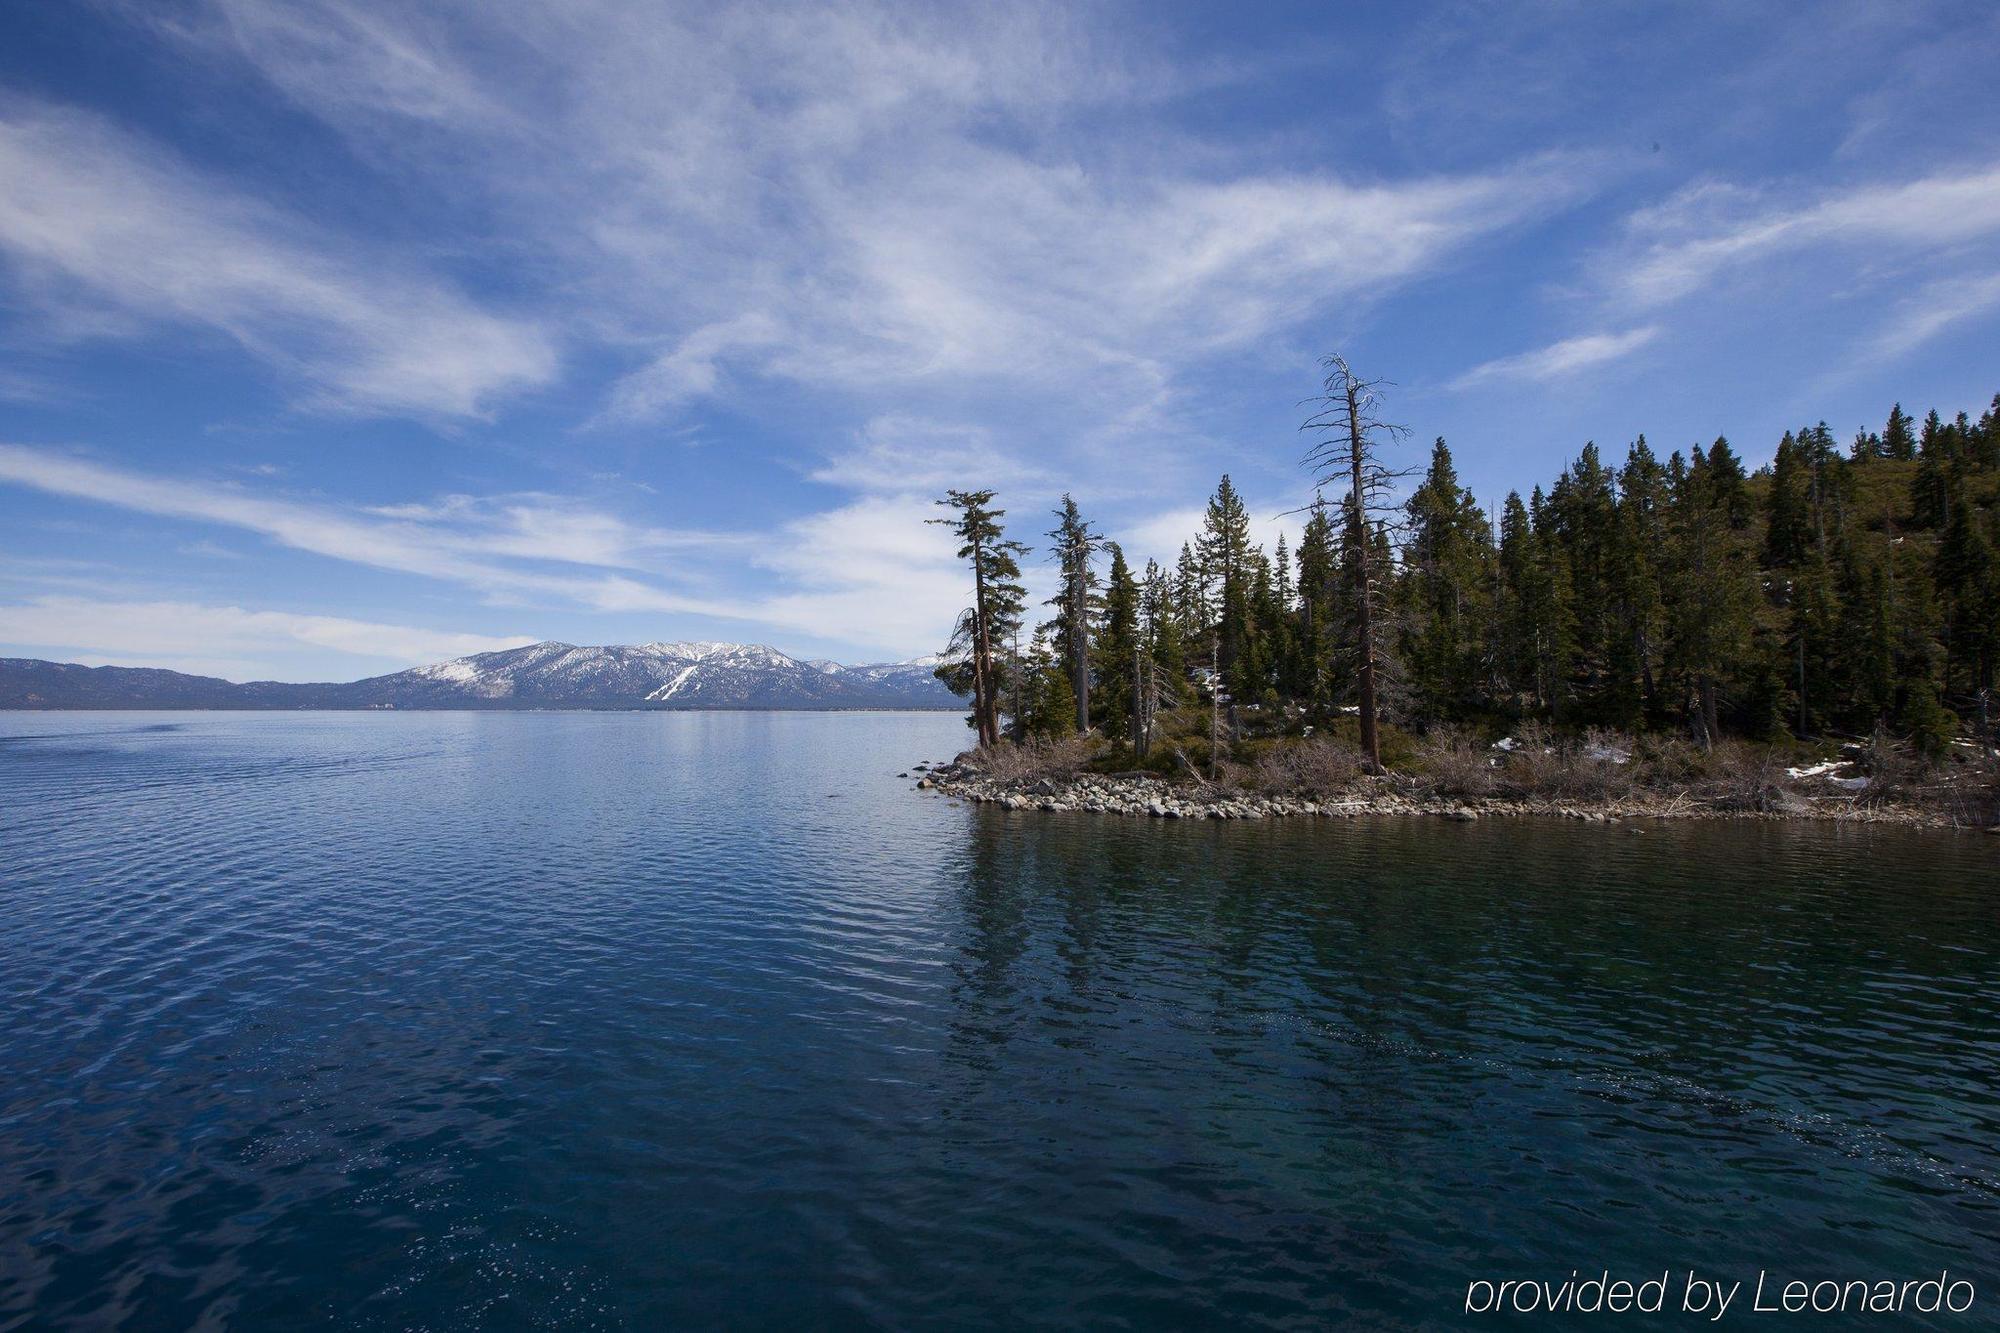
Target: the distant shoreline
(946, 711)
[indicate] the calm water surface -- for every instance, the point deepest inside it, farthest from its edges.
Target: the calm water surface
(514, 1021)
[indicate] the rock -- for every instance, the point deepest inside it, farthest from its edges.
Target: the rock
(924, 784)
(1462, 815)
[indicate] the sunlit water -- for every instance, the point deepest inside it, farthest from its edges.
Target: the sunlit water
(644, 1020)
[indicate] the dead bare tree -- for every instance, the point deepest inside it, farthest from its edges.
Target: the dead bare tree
(1345, 451)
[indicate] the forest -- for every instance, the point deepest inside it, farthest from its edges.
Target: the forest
(1840, 592)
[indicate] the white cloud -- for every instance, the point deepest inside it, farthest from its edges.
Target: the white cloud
(108, 234)
(219, 638)
(1559, 359)
(1938, 307)
(500, 547)
(820, 195)
(1710, 229)
(901, 453)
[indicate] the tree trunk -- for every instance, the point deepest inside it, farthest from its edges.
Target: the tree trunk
(1371, 744)
(984, 710)
(1079, 651)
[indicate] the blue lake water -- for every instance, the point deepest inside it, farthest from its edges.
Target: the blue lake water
(667, 1020)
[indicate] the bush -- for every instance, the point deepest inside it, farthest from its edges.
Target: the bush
(1318, 765)
(1546, 764)
(1453, 763)
(1060, 757)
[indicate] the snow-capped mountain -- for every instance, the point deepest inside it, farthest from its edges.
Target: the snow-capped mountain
(542, 675)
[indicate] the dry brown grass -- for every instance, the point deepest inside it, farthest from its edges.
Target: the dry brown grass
(1548, 765)
(1452, 763)
(1033, 759)
(1316, 766)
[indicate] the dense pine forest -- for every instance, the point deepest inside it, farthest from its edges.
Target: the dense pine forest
(1841, 592)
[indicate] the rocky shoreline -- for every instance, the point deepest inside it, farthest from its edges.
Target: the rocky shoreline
(1155, 797)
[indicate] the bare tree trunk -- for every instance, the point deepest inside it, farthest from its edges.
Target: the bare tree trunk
(1140, 720)
(1214, 705)
(1371, 743)
(1079, 667)
(985, 714)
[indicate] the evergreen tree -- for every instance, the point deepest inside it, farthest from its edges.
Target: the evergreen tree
(1162, 625)
(1710, 591)
(1225, 553)
(1787, 512)
(1190, 598)
(1445, 558)
(1727, 481)
(1898, 441)
(1633, 692)
(973, 666)
(1117, 647)
(1075, 544)
(1968, 584)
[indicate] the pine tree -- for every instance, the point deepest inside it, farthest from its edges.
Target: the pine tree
(1937, 467)
(1726, 480)
(1162, 624)
(1968, 584)
(1445, 558)
(1075, 544)
(1224, 550)
(1117, 646)
(1787, 513)
(1633, 691)
(1710, 591)
(1319, 570)
(1583, 519)
(973, 667)
(1191, 617)
(1898, 441)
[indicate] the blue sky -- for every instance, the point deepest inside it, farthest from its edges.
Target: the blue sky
(337, 337)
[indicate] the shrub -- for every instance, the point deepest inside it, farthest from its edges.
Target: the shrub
(1544, 763)
(1319, 765)
(1452, 763)
(1060, 757)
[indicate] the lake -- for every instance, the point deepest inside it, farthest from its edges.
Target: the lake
(654, 1020)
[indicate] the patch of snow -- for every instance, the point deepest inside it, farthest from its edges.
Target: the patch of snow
(456, 672)
(667, 691)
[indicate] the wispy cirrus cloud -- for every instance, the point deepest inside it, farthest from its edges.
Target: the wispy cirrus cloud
(510, 547)
(1711, 229)
(108, 234)
(884, 199)
(1936, 308)
(871, 571)
(1570, 356)
(193, 636)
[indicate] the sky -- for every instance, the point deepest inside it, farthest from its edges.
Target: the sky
(338, 337)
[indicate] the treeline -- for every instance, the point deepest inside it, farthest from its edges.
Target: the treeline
(1839, 591)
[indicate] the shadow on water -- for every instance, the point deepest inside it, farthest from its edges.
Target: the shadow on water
(1341, 1061)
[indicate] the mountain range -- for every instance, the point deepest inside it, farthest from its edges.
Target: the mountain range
(541, 675)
